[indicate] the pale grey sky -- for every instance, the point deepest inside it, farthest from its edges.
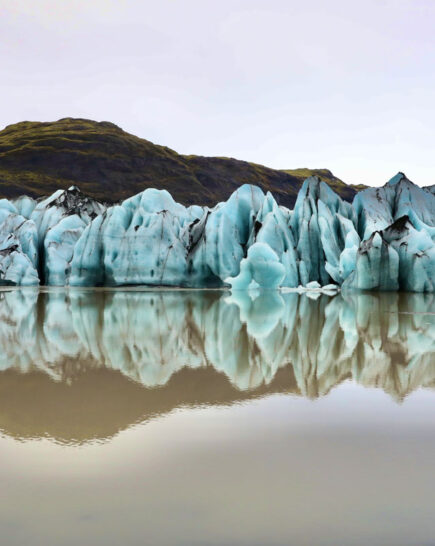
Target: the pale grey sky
(347, 85)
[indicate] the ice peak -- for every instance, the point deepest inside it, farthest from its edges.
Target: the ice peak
(396, 179)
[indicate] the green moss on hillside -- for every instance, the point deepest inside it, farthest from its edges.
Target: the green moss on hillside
(109, 164)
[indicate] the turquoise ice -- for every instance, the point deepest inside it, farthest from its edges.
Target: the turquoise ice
(385, 240)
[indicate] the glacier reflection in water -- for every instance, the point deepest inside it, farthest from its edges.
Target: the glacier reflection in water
(379, 340)
(78, 367)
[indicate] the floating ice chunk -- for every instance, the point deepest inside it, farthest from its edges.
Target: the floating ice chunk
(313, 288)
(313, 285)
(331, 287)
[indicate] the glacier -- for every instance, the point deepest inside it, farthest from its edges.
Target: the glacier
(384, 240)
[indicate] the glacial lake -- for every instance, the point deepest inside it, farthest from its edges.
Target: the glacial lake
(133, 417)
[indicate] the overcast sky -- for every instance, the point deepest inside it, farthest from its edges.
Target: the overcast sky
(347, 85)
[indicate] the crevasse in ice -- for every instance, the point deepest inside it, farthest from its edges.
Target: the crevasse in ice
(385, 240)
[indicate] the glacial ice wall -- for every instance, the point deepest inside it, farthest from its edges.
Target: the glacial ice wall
(385, 240)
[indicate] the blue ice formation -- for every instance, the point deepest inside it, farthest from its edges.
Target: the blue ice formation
(383, 241)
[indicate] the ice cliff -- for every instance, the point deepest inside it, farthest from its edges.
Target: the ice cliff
(383, 241)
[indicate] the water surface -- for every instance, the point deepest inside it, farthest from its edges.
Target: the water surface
(136, 417)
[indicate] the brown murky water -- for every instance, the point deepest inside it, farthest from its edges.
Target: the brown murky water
(194, 418)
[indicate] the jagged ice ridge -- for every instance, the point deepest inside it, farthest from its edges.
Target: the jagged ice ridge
(385, 240)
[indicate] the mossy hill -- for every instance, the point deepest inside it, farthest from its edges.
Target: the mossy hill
(110, 165)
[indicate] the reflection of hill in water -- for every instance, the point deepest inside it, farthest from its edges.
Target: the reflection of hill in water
(102, 402)
(200, 348)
